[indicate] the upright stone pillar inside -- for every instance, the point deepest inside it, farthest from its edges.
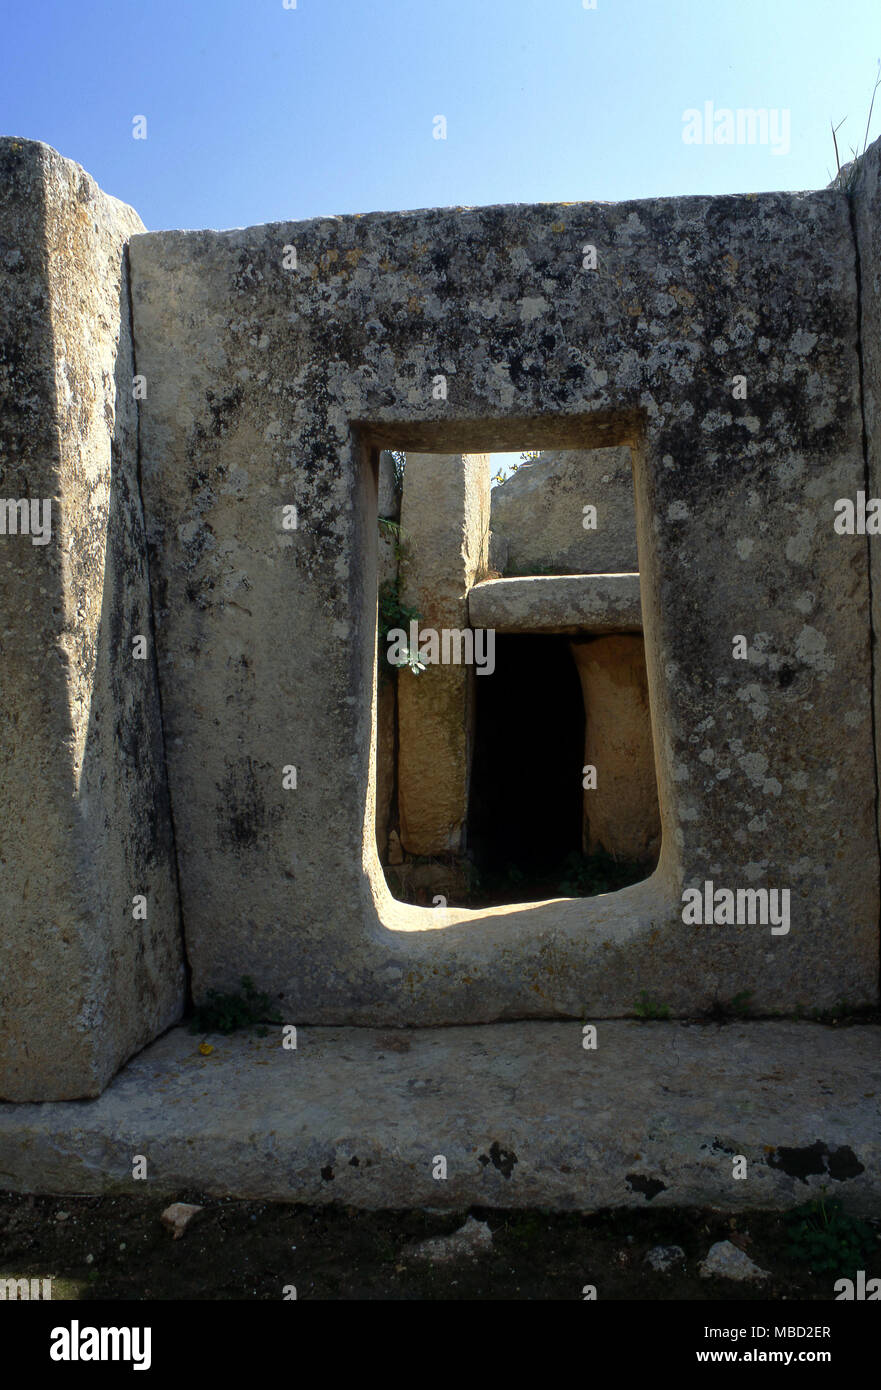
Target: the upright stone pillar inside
(445, 525)
(621, 815)
(389, 508)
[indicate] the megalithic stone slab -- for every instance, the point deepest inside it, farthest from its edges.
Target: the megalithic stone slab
(865, 207)
(525, 1115)
(621, 811)
(91, 965)
(540, 512)
(445, 525)
(570, 603)
(272, 386)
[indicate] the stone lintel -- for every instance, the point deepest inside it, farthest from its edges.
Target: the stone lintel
(565, 603)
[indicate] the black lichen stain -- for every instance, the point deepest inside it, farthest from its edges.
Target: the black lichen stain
(816, 1160)
(241, 811)
(500, 1158)
(717, 1147)
(649, 1187)
(785, 676)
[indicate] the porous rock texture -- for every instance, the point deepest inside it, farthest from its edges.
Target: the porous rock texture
(582, 603)
(457, 331)
(83, 795)
(445, 527)
(539, 513)
(621, 809)
(479, 330)
(523, 1114)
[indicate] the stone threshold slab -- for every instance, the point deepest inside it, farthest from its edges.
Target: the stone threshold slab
(564, 603)
(523, 1114)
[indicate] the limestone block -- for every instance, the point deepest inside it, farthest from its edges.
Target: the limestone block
(445, 517)
(621, 813)
(389, 499)
(387, 557)
(498, 552)
(386, 721)
(866, 205)
(269, 388)
(523, 1115)
(91, 964)
(558, 603)
(540, 512)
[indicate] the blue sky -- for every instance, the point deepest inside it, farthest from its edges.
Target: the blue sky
(256, 112)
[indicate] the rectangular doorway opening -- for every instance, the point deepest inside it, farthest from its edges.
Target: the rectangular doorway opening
(515, 762)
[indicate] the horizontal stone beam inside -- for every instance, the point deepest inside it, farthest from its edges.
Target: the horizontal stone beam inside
(654, 1113)
(566, 603)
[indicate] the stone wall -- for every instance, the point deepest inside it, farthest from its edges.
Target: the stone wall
(538, 513)
(270, 386)
(457, 331)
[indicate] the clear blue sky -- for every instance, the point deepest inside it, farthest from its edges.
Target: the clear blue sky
(257, 113)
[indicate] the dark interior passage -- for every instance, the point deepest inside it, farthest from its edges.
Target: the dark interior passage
(526, 798)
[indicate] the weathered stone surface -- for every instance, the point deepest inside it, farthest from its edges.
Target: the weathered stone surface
(621, 813)
(387, 557)
(552, 603)
(389, 499)
(386, 704)
(445, 519)
(651, 1116)
(727, 1261)
(540, 512)
(267, 388)
(270, 387)
(865, 211)
(83, 799)
(386, 723)
(498, 553)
